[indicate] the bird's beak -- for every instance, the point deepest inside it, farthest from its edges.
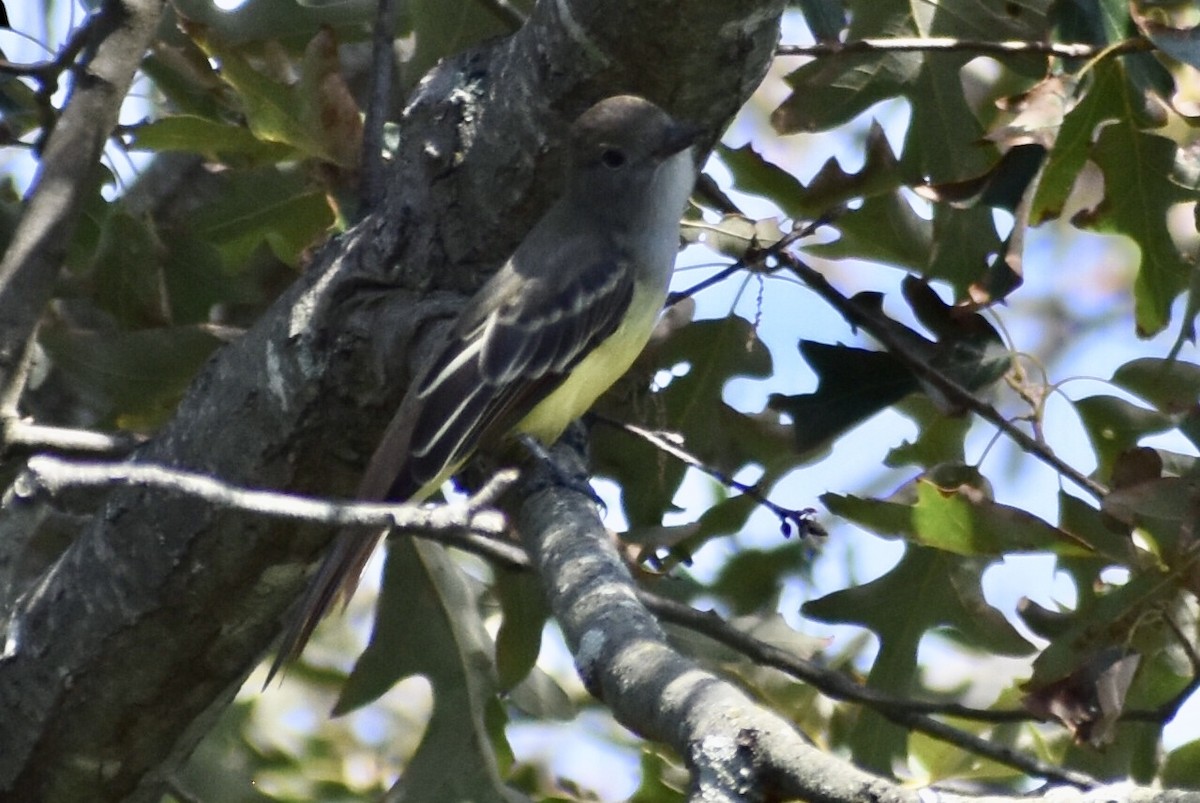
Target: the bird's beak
(680, 136)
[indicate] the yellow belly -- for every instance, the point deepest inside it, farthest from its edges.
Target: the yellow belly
(596, 372)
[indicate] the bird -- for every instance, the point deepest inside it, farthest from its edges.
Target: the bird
(561, 320)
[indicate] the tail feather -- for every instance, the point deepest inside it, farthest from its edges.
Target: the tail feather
(387, 476)
(336, 580)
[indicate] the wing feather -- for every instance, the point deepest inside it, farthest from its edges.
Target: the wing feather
(486, 379)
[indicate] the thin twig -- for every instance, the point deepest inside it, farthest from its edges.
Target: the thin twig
(864, 319)
(51, 475)
(800, 521)
(757, 258)
(909, 713)
(17, 434)
(1074, 50)
(46, 72)
(447, 523)
(383, 67)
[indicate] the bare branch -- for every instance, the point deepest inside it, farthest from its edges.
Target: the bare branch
(383, 69)
(52, 476)
(863, 319)
(122, 32)
(1075, 50)
(735, 749)
(791, 520)
(17, 434)
(910, 713)
(46, 73)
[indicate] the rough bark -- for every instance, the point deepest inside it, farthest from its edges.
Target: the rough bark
(125, 652)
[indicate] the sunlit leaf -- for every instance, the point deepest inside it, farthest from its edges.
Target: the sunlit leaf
(1138, 194)
(427, 623)
(1114, 426)
(959, 519)
(927, 589)
(208, 137)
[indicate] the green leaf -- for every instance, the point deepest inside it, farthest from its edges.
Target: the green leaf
(1114, 426)
(1138, 195)
(183, 74)
(884, 229)
(1073, 142)
(927, 589)
(264, 206)
(1164, 508)
(197, 281)
(1001, 186)
(278, 19)
(852, 385)
(538, 695)
(831, 90)
(1182, 767)
(752, 579)
(1125, 616)
(127, 272)
(957, 518)
(427, 623)
(93, 218)
(133, 379)
(1087, 524)
(830, 188)
(1172, 386)
(519, 639)
(210, 138)
(965, 248)
(662, 781)
(725, 517)
(274, 111)
(939, 439)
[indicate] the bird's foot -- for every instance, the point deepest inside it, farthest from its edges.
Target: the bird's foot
(560, 474)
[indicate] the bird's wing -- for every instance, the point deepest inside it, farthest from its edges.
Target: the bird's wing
(514, 343)
(509, 351)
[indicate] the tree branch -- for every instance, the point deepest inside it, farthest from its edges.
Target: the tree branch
(863, 319)
(18, 434)
(51, 476)
(122, 31)
(909, 713)
(383, 68)
(792, 521)
(902, 44)
(735, 749)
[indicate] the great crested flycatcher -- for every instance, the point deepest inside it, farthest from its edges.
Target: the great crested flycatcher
(558, 324)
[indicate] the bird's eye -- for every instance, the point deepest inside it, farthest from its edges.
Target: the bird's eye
(612, 158)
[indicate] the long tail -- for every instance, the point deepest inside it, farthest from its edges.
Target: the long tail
(337, 579)
(342, 568)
